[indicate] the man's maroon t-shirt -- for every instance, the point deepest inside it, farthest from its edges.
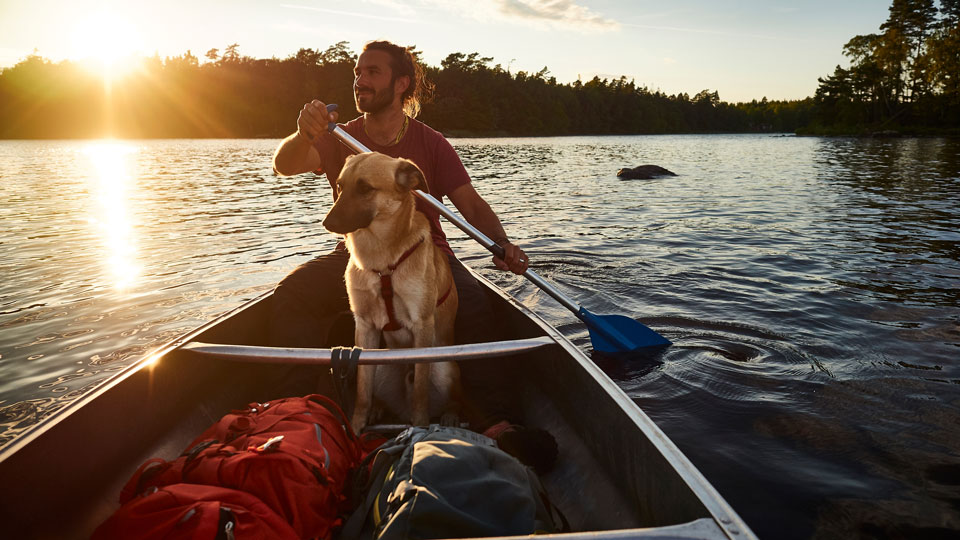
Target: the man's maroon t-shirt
(421, 144)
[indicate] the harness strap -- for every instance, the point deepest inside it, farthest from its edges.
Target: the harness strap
(446, 294)
(386, 289)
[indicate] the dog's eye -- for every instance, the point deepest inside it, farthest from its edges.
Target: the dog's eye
(339, 188)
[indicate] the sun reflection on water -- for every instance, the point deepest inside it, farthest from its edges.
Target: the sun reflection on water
(110, 185)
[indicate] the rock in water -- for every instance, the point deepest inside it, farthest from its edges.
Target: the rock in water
(644, 172)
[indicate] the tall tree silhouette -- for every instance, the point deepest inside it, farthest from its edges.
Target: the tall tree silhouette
(905, 76)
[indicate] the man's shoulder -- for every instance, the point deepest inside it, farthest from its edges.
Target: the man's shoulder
(354, 126)
(427, 132)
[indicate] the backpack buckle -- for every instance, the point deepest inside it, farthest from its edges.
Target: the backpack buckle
(265, 447)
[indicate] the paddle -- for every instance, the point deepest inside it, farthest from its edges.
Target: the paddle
(608, 333)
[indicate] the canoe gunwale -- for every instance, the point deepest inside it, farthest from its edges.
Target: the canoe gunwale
(723, 514)
(700, 529)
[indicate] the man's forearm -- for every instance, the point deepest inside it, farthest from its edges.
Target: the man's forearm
(291, 155)
(483, 218)
(480, 215)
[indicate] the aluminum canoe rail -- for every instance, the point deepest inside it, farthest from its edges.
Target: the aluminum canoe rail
(325, 357)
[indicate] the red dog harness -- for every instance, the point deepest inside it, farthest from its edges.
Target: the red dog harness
(386, 289)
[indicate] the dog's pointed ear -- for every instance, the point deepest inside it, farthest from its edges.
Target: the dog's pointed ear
(409, 176)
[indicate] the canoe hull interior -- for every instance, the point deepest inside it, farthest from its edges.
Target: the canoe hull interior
(616, 472)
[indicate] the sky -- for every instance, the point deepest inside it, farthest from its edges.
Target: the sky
(744, 50)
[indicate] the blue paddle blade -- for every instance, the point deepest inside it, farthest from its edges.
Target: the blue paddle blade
(619, 334)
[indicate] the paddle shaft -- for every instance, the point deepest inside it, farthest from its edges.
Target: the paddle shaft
(614, 333)
(472, 231)
(611, 334)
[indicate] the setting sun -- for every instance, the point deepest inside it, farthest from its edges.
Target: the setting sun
(107, 39)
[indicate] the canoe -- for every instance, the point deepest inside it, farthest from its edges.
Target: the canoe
(617, 475)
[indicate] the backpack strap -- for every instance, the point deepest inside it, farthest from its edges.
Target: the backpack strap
(334, 407)
(343, 363)
(382, 459)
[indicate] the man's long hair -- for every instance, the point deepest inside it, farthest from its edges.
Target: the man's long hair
(403, 63)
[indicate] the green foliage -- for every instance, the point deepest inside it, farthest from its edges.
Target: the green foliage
(905, 77)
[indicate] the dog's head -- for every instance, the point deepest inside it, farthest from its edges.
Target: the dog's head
(371, 186)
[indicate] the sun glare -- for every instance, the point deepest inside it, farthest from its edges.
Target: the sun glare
(107, 41)
(110, 216)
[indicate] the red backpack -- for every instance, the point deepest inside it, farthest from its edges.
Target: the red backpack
(196, 512)
(295, 455)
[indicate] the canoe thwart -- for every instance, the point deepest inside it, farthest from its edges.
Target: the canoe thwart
(323, 357)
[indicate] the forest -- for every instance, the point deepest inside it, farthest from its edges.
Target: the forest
(904, 78)
(231, 95)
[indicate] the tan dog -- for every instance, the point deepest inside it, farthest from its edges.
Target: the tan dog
(400, 287)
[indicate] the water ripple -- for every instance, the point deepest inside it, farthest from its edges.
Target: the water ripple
(809, 286)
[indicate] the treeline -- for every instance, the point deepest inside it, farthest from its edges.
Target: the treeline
(474, 96)
(904, 78)
(230, 95)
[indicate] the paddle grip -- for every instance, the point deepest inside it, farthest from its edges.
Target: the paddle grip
(331, 125)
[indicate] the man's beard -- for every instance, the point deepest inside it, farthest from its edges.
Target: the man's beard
(380, 100)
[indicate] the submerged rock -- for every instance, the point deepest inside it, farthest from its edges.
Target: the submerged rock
(644, 172)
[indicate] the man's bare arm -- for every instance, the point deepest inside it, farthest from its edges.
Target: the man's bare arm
(479, 214)
(296, 154)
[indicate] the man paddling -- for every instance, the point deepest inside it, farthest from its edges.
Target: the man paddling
(388, 86)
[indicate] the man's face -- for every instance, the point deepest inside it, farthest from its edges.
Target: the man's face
(373, 89)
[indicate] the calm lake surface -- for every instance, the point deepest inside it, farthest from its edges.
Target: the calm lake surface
(811, 288)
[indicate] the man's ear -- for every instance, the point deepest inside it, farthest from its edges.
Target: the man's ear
(409, 176)
(401, 84)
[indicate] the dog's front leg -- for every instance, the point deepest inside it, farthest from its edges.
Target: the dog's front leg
(367, 337)
(447, 377)
(423, 336)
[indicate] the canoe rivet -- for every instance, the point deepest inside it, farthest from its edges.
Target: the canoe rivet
(725, 521)
(734, 531)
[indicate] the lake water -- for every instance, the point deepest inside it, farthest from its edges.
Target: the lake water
(811, 288)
